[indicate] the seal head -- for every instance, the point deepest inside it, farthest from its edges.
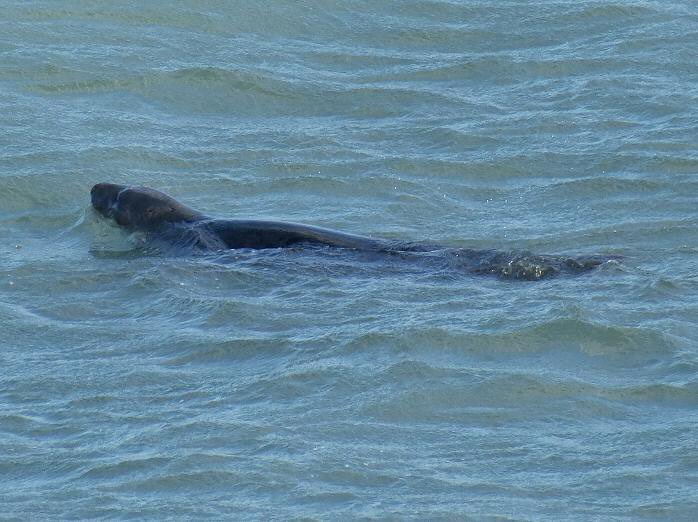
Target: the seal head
(140, 208)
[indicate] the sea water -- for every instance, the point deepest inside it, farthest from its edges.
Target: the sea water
(294, 384)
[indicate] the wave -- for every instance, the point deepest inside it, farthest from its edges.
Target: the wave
(613, 344)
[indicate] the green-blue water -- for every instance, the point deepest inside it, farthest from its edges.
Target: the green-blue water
(290, 384)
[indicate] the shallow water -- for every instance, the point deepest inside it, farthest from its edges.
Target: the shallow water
(329, 384)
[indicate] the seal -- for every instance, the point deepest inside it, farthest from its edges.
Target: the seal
(146, 210)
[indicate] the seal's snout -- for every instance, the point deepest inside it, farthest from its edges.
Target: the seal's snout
(104, 196)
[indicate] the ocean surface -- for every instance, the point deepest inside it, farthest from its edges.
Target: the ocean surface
(328, 384)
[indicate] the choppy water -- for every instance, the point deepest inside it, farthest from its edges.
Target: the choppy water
(285, 384)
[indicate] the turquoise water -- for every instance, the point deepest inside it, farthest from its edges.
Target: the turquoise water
(288, 384)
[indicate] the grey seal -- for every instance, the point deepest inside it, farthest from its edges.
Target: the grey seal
(143, 209)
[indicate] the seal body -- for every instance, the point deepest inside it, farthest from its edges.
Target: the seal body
(235, 233)
(142, 209)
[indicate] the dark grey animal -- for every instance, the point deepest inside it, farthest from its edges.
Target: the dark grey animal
(156, 214)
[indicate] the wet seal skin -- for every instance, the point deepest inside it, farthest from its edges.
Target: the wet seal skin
(146, 210)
